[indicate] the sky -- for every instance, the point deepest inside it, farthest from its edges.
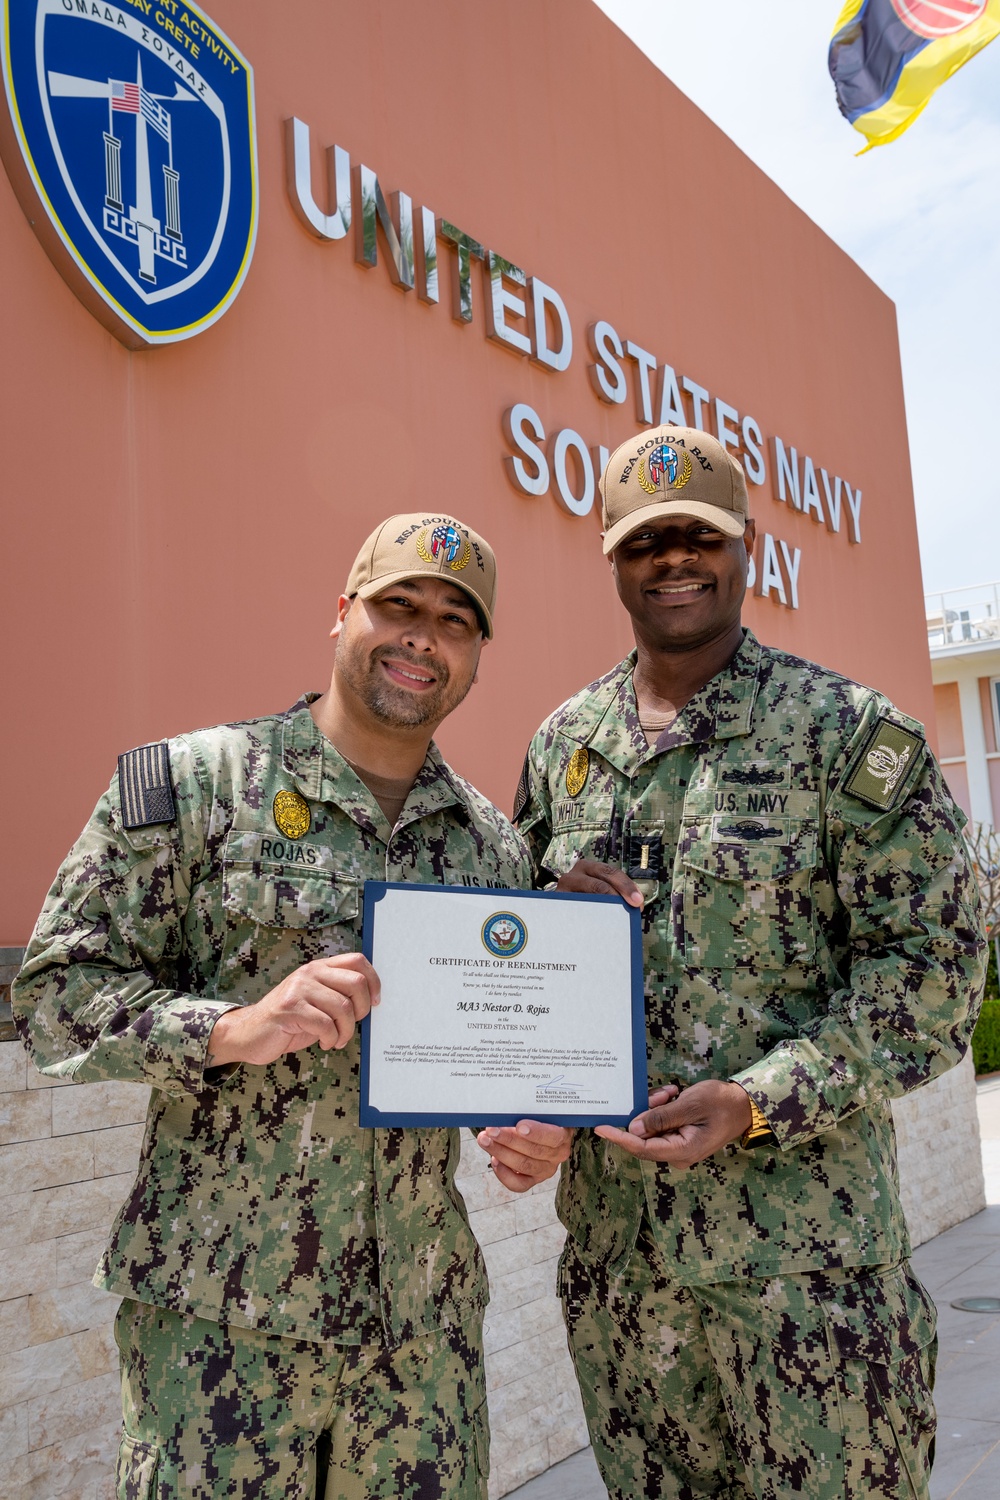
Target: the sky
(921, 216)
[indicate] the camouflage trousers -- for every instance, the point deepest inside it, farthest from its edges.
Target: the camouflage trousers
(211, 1410)
(815, 1385)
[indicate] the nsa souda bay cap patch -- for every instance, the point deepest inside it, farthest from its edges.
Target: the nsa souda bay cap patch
(885, 766)
(672, 471)
(427, 546)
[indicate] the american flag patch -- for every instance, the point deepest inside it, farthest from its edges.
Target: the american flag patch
(523, 792)
(144, 784)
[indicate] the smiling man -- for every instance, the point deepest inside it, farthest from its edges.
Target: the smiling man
(303, 1300)
(740, 1308)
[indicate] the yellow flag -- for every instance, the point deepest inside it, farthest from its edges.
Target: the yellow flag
(887, 57)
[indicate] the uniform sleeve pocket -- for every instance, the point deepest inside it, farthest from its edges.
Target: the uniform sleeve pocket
(135, 1476)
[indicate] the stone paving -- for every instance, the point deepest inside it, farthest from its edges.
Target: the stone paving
(962, 1262)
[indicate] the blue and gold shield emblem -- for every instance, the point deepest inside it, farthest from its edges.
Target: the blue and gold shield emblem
(129, 136)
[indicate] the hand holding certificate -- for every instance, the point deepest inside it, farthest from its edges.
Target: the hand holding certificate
(502, 1005)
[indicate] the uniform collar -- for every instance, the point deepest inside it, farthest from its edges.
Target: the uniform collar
(321, 774)
(608, 720)
(723, 708)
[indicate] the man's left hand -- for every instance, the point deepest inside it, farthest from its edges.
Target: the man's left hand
(525, 1154)
(683, 1128)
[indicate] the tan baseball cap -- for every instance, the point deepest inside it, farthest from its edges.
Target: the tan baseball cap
(419, 546)
(672, 471)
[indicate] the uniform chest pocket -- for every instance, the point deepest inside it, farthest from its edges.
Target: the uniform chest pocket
(747, 904)
(276, 921)
(271, 898)
(579, 829)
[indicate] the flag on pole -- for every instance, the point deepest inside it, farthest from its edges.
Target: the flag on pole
(888, 57)
(125, 97)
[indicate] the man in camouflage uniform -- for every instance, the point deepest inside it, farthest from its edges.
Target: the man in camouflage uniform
(740, 1308)
(303, 1299)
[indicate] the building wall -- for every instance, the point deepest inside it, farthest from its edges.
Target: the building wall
(940, 1159)
(988, 708)
(183, 518)
(964, 687)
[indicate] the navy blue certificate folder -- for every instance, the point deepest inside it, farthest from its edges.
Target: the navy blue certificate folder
(502, 1005)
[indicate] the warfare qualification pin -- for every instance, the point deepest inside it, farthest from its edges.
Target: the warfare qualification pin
(576, 771)
(291, 813)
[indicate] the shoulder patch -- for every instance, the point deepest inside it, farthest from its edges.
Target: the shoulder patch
(523, 792)
(144, 784)
(885, 765)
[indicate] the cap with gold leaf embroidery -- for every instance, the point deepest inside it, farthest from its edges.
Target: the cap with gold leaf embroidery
(419, 546)
(672, 471)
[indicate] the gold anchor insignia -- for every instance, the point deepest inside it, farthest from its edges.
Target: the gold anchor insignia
(292, 815)
(576, 771)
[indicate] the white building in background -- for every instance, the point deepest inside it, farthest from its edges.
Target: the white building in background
(963, 632)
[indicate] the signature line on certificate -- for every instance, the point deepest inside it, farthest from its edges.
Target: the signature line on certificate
(559, 1081)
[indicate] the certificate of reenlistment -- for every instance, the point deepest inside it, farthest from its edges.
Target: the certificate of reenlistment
(500, 1005)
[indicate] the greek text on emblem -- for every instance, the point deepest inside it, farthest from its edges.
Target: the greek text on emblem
(576, 771)
(886, 765)
(446, 542)
(667, 464)
(504, 934)
(292, 815)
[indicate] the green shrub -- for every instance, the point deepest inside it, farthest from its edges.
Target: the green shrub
(986, 1037)
(992, 987)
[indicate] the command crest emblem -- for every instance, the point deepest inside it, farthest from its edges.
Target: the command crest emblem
(129, 137)
(504, 934)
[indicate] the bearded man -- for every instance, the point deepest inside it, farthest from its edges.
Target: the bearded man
(303, 1299)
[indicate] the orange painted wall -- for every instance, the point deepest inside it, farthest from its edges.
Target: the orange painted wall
(178, 522)
(948, 713)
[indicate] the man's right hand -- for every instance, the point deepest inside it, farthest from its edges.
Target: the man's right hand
(320, 1002)
(594, 878)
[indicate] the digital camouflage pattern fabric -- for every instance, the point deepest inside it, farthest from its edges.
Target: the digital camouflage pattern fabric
(817, 1384)
(824, 952)
(254, 1415)
(259, 1202)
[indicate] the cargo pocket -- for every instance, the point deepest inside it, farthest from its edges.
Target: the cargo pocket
(579, 830)
(882, 1332)
(479, 1455)
(135, 1476)
(747, 903)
